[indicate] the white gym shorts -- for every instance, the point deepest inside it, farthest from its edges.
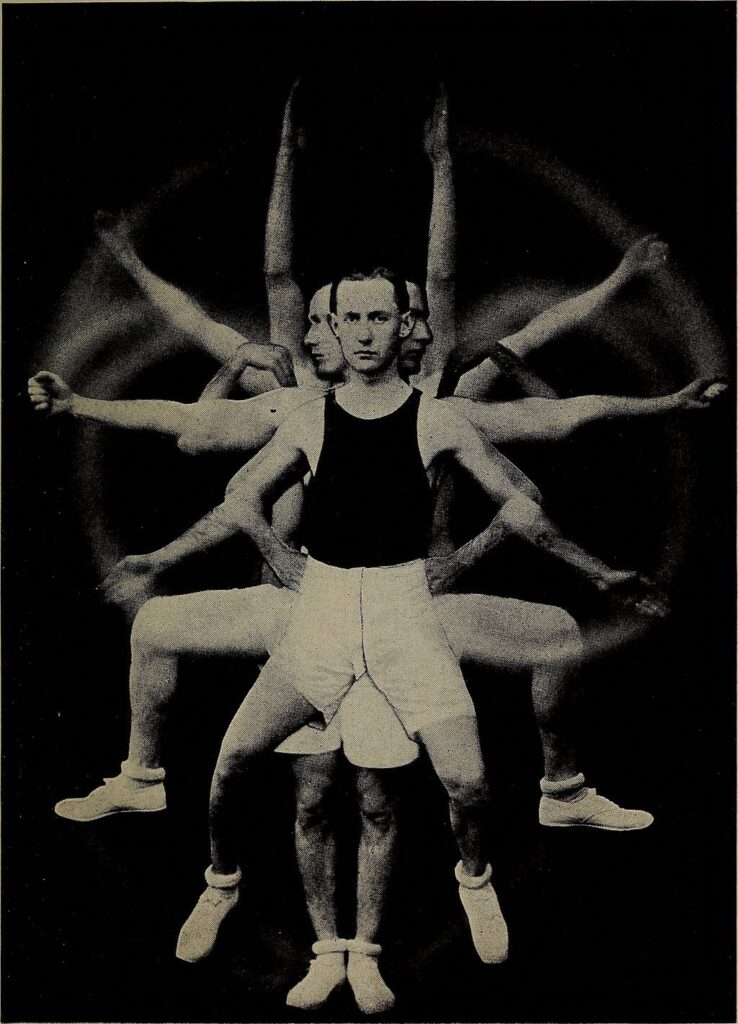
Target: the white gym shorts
(346, 623)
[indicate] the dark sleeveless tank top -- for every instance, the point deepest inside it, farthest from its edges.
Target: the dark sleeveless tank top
(369, 502)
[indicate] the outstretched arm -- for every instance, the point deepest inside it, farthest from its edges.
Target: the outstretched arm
(284, 297)
(645, 256)
(541, 419)
(441, 270)
(205, 426)
(181, 311)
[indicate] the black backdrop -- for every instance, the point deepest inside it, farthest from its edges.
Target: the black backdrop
(103, 103)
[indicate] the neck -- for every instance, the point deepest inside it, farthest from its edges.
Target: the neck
(387, 381)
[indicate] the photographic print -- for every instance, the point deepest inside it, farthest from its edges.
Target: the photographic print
(369, 532)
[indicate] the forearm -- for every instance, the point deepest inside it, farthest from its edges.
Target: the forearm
(247, 514)
(565, 316)
(206, 533)
(442, 233)
(162, 416)
(221, 385)
(575, 412)
(528, 520)
(279, 238)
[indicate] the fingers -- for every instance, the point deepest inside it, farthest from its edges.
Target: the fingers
(45, 377)
(714, 390)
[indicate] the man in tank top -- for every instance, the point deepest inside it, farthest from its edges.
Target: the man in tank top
(364, 606)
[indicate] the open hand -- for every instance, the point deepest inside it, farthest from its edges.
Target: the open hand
(700, 394)
(49, 393)
(289, 566)
(131, 583)
(630, 590)
(292, 136)
(644, 256)
(441, 573)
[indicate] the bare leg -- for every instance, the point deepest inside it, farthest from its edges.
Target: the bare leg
(245, 622)
(498, 632)
(454, 751)
(377, 806)
(315, 839)
(453, 747)
(218, 622)
(272, 710)
(502, 633)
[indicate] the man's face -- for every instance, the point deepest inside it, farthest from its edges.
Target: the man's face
(414, 345)
(369, 325)
(320, 341)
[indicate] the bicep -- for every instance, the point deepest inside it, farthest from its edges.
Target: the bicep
(442, 315)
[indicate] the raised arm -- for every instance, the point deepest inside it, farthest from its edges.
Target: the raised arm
(541, 419)
(181, 311)
(284, 297)
(645, 256)
(441, 269)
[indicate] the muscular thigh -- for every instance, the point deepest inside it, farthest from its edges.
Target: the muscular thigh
(230, 622)
(501, 632)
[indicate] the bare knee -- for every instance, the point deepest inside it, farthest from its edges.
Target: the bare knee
(148, 633)
(564, 644)
(468, 792)
(377, 807)
(313, 800)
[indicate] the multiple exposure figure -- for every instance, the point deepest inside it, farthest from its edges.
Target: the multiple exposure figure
(355, 429)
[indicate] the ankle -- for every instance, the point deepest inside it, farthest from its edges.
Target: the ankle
(566, 790)
(141, 775)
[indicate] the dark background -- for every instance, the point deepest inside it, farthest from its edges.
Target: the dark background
(103, 103)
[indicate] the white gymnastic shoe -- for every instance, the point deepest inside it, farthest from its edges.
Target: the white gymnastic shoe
(199, 932)
(488, 928)
(326, 973)
(371, 993)
(586, 808)
(135, 789)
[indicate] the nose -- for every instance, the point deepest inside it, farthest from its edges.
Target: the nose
(365, 334)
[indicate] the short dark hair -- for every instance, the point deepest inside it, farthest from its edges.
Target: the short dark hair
(378, 274)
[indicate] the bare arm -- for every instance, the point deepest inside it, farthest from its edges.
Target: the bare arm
(178, 308)
(281, 463)
(135, 579)
(540, 419)
(284, 297)
(205, 426)
(518, 514)
(441, 270)
(645, 256)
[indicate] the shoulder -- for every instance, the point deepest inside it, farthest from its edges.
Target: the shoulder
(306, 417)
(442, 419)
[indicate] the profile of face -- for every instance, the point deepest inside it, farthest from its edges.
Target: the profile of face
(412, 348)
(369, 325)
(320, 341)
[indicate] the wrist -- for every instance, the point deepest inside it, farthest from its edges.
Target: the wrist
(79, 406)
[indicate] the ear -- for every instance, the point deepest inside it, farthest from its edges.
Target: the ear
(333, 324)
(407, 324)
